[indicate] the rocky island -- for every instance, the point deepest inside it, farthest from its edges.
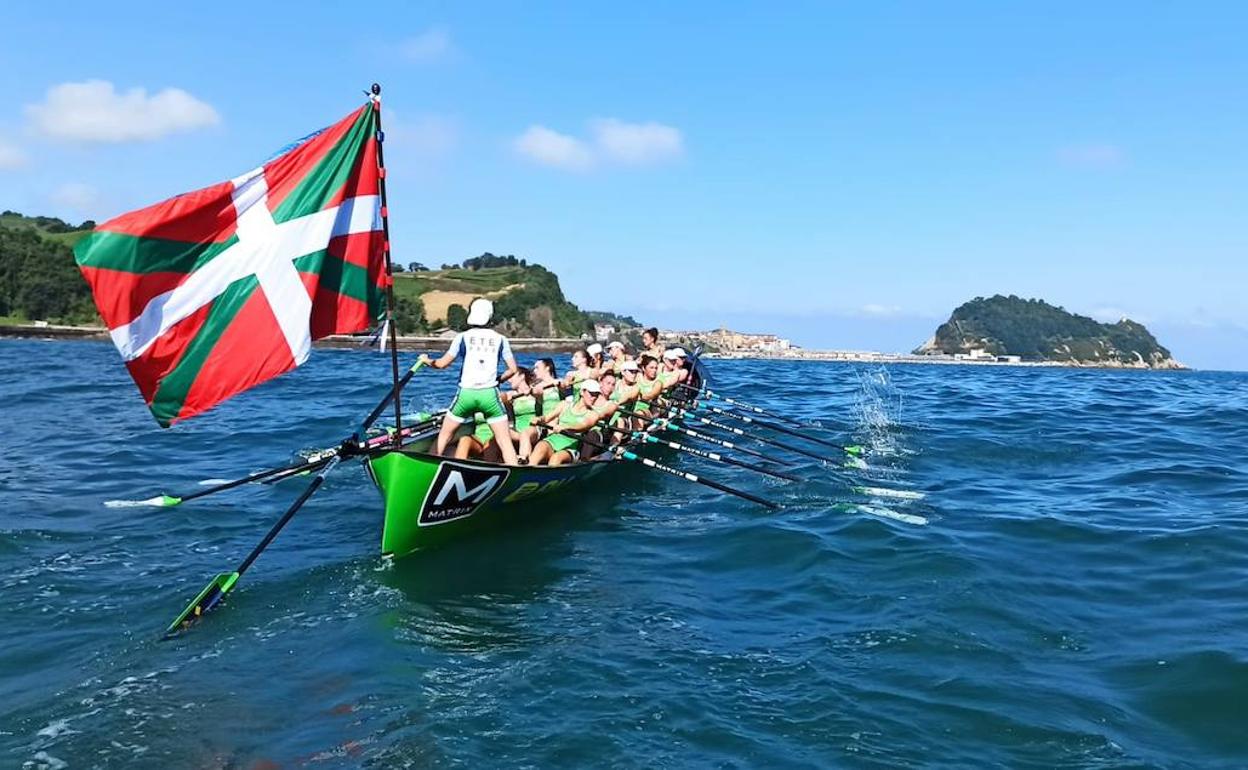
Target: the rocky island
(1032, 330)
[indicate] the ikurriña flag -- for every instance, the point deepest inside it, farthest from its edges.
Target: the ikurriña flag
(214, 291)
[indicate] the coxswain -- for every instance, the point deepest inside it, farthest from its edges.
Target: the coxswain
(482, 349)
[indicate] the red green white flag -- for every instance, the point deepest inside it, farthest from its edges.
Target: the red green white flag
(214, 291)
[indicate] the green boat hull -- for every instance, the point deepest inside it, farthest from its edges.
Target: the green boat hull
(431, 500)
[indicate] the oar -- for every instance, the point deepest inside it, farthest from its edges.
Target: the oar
(220, 585)
(751, 408)
(646, 461)
(667, 423)
(304, 465)
(755, 437)
(377, 410)
(852, 449)
(650, 438)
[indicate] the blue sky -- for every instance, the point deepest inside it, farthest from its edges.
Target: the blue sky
(842, 174)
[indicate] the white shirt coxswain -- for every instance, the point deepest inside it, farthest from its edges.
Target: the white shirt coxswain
(481, 351)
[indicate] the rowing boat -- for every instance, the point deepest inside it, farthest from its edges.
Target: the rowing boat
(431, 499)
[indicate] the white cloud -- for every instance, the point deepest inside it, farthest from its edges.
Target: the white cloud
(94, 111)
(551, 148)
(1114, 315)
(612, 141)
(1092, 155)
(431, 45)
(636, 143)
(11, 156)
(76, 196)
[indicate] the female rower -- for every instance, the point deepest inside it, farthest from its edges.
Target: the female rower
(596, 362)
(482, 348)
(572, 415)
(580, 371)
(650, 343)
(649, 385)
(617, 356)
(546, 384)
(674, 372)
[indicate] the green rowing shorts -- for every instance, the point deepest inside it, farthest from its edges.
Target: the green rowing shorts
(469, 401)
(559, 442)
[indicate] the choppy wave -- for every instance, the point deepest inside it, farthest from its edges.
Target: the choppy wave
(1029, 568)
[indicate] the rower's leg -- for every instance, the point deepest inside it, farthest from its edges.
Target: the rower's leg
(465, 447)
(502, 437)
(526, 442)
(539, 453)
(559, 458)
(449, 425)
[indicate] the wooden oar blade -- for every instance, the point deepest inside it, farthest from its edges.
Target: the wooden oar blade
(207, 599)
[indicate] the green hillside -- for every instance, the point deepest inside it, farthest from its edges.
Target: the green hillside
(1038, 331)
(40, 281)
(38, 277)
(528, 300)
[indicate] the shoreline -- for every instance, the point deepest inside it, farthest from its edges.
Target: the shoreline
(567, 345)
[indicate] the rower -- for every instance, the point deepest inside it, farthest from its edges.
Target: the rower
(579, 372)
(650, 345)
(596, 363)
(616, 355)
(649, 385)
(674, 372)
(572, 415)
(546, 384)
(481, 348)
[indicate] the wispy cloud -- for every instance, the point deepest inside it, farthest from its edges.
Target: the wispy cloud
(1113, 314)
(76, 196)
(11, 156)
(551, 148)
(94, 111)
(610, 141)
(432, 45)
(1092, 155)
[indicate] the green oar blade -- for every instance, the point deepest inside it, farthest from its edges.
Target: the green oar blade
(207, 599)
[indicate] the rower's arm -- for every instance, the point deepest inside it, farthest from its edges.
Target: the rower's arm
(448, 357)
(554, 413)
(590, 421)
(654, 392)
(510, 360)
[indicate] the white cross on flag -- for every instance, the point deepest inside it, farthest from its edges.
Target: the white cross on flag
(214, 291)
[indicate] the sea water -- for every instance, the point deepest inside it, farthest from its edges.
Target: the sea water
(1036, 568)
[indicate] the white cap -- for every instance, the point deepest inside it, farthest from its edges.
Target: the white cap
(630, 366)
(592, 386)
(594, 349)
(670, 354)
(678, 353)
(480, 312)
(615, 344)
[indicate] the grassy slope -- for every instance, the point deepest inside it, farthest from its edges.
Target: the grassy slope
(468, 281)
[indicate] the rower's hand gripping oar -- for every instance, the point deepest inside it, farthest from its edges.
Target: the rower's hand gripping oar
(220, 585)
(715, 456)
(646, 461)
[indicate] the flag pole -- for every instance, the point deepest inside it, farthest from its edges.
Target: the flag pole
(375, 97)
